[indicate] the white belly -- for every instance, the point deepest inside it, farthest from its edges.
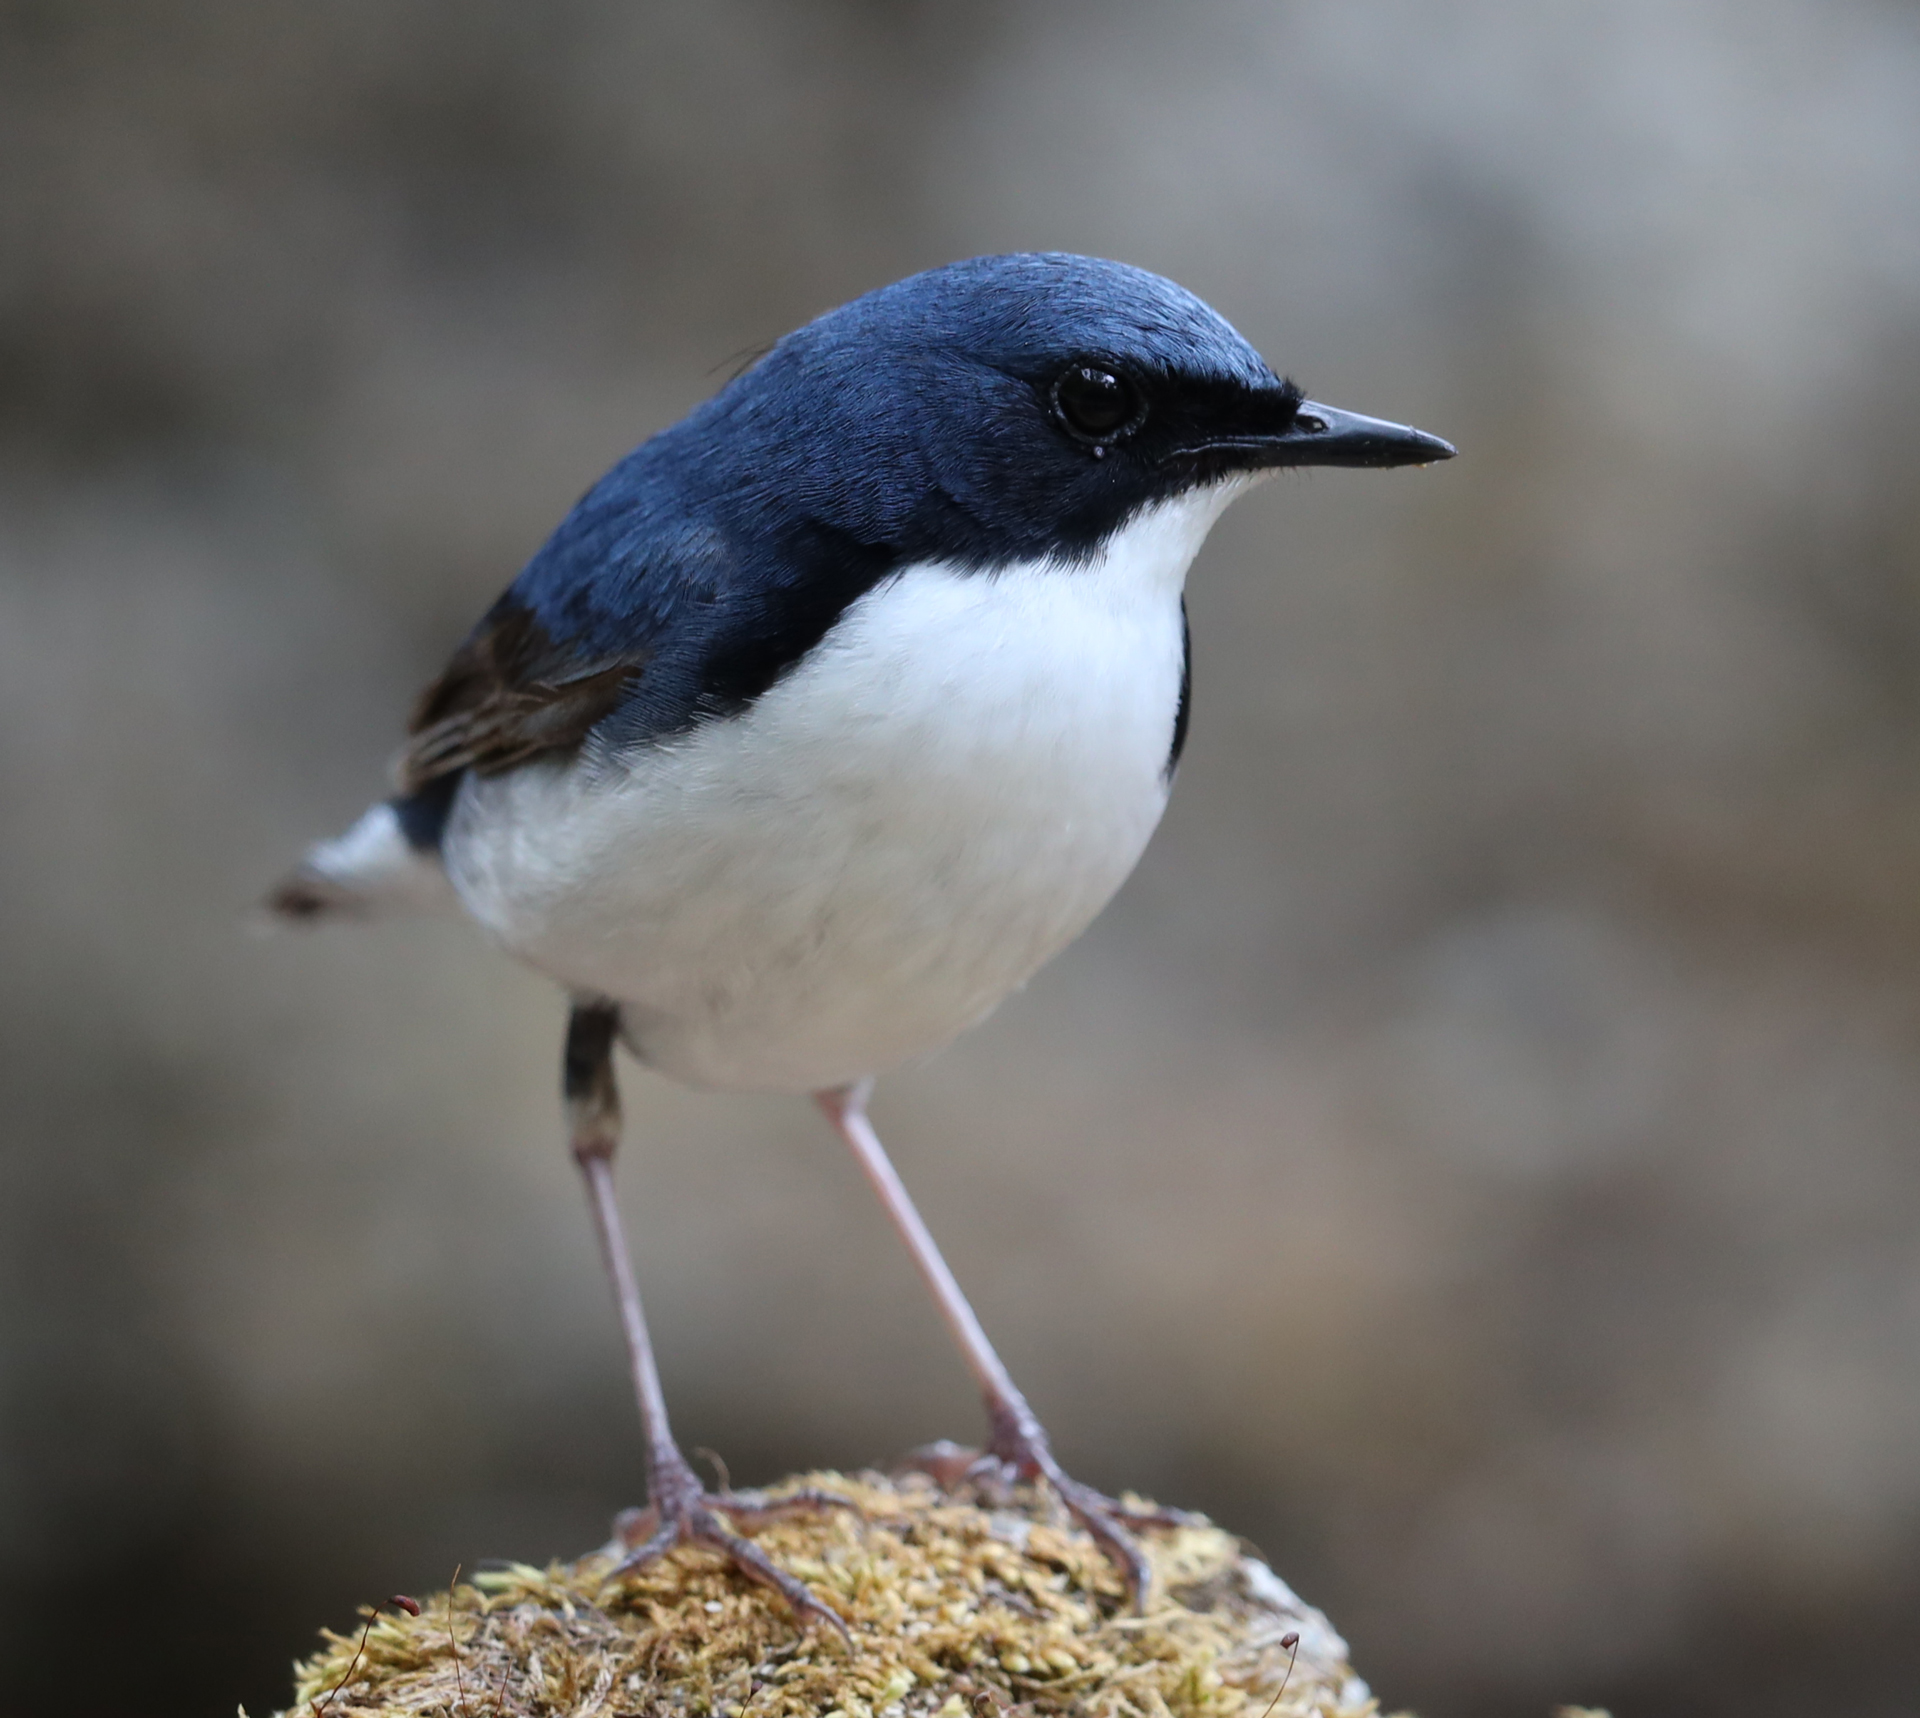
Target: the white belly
(896, 835)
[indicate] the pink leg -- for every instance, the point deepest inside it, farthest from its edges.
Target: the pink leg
(679, 1510)
(1016, 1439)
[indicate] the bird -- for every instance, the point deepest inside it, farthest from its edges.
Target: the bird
(828, 716)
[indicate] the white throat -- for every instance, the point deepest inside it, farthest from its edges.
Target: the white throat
(1154, 549)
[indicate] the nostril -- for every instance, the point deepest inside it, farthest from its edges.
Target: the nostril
(1309, 424)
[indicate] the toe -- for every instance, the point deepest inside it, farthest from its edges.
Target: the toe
(755, 1507)
(756, 1565)
(670, 1534)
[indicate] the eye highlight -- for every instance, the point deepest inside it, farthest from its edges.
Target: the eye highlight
(1097, 405)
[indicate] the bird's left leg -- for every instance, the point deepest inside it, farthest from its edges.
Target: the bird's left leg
(1016, 1439)
(680, 1511)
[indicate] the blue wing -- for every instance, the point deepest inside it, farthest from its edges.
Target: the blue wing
(648, 611)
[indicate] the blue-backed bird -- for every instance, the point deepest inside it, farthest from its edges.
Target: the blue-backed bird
(831, 713)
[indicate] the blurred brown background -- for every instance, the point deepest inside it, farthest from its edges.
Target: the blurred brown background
(1476, 1157)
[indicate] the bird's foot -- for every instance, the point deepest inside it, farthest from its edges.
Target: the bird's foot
(682, 1512)
(1018, 1452)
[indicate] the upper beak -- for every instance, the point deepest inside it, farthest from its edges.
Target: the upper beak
(1325, 435)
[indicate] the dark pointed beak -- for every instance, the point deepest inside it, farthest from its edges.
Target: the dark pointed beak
(1325, 435)
(1319, 435)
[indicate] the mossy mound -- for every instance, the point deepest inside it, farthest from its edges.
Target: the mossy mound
(956, 1609)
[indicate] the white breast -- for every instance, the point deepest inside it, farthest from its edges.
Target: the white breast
(900, 832)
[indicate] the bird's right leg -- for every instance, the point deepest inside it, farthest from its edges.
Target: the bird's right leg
(680, 1511)
(1017, 1443)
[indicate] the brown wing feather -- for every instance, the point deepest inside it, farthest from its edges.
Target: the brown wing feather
(508, 695)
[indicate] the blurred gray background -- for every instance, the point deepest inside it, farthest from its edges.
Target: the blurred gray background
(1476, 1157)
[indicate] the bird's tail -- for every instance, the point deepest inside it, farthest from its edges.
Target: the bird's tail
(368, 872)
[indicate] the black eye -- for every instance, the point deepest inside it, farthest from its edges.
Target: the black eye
(1096, 405)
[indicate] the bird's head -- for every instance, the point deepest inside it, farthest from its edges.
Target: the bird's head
(1014, 406)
